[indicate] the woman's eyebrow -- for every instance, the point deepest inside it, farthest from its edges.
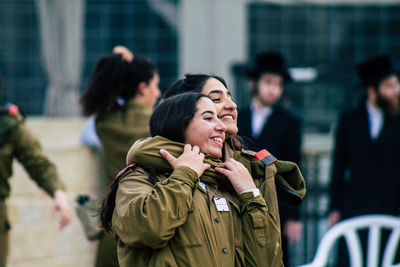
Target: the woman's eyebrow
(207, 111)
(220, 92)
(216, 92)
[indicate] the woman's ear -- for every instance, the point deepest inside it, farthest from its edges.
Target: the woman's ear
(142, 88)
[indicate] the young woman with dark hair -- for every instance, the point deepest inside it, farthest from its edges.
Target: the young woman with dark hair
(121, 93)
(201, 83)
(192, 209)
(272, 177)
(115, 81)
(172, 118)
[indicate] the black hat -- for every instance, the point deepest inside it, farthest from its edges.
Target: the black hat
(269, 62)
(375, 69)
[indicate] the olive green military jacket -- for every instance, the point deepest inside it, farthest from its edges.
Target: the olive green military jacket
(175, 221)
(118, 131)
(279, 180)
(17, 141)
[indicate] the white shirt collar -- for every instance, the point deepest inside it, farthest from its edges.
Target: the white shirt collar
(259, 117)
(203, 185)
(376, 119)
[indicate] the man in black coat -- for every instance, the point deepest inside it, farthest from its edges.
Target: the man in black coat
(366, 166)
(265, 123)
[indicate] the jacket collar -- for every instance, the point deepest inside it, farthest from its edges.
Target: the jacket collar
(146, 152)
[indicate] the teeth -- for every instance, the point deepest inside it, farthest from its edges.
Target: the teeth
(219, 139)
(227, 117)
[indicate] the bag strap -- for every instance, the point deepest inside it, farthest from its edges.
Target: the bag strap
(123, 171)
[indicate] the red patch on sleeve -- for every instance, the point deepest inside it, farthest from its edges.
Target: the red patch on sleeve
(262, 154)
(13, 109)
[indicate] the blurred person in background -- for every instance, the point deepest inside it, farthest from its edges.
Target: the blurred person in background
(17, 141)
(88, 135)
(120, 95)
(265, 123)
(366, 169)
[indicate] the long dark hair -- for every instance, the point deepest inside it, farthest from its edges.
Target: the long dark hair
(170, 120)
(115, 81)
(195, 83)
(191, 83)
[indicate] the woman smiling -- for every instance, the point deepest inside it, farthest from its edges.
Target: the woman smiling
(179, 204)
(274, 179)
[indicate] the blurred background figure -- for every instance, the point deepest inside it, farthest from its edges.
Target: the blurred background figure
(120, 94)
(266, 124)
(17, 141)
(366, 169)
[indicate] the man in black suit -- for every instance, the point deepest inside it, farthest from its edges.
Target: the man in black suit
(366, 162)
(265, 123)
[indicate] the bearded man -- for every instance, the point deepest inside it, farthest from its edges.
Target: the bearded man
(366, 162)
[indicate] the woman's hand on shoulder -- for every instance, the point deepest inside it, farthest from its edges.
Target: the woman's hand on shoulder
(237, 174)
(191, 157)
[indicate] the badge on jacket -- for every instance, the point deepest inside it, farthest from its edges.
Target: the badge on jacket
(221, 204)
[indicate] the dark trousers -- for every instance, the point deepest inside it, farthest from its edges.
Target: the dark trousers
(285, 250)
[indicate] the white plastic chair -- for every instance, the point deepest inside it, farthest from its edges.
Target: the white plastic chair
(348, 229)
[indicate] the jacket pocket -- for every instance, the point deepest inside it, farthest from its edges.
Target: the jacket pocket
(265, 229)
(190, 233)
(259, 228)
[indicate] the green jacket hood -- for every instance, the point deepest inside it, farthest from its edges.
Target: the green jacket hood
(290, 184)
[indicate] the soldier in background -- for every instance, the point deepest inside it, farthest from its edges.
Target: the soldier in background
(16, 141)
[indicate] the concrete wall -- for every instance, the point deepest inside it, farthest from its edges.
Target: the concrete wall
(35, 239)
(212, 36)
